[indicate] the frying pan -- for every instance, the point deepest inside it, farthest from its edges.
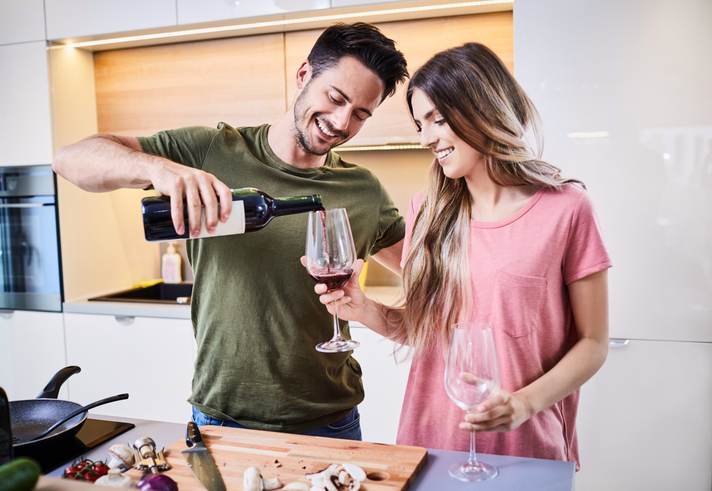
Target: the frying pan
(30, 417)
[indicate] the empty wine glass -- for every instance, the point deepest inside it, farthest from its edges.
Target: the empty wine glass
(330, 254)
(471, 376)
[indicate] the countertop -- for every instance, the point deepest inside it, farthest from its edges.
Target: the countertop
(384, 294)
(515, 473)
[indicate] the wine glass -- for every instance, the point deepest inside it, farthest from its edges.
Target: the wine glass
(471, 376)
(330, 254)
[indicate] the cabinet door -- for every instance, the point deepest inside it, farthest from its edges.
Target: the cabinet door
(644, 419)
(349, 3)
(150, 358)
(191, 11)
(21, 21)
(25, 125)
(384, 381)
(31, 351)
(238, 80)
(74, 18)
(418, 40)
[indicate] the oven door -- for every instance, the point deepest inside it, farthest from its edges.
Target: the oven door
(30, 277)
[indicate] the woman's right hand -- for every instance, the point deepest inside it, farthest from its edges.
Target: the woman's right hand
(202, 192)
(349, 302)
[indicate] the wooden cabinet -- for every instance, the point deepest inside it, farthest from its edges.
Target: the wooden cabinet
(31, 351)
(384, 381)
(418, 40)
(75, 18)
(192, 11)
(352, 3)
(150, 358)
(21, 22)
(25, 125)
(644, 419)
(238, 80)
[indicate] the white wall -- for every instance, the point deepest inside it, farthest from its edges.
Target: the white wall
(639, 71)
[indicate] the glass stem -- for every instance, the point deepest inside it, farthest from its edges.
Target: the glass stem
(337, 327)
(472, 459)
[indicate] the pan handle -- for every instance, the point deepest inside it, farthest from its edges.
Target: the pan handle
(51, 390)
(80, 410)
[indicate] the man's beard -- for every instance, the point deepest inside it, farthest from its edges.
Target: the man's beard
(301, 136)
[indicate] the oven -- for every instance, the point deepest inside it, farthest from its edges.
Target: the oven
(30, 266)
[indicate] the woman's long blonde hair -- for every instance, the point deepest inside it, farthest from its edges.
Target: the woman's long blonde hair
(485, 106)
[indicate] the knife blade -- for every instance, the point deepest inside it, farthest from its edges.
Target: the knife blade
(199, 459)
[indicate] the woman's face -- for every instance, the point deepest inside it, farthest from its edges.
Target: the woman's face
(457, 158)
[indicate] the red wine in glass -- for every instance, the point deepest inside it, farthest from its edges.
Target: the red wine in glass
(333, 280)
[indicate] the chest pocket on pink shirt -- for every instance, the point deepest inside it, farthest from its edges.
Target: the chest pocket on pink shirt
(517, 302)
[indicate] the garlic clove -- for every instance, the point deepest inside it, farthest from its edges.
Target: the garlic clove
(271, 484)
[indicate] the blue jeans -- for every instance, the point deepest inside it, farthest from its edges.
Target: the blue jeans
(347, 428)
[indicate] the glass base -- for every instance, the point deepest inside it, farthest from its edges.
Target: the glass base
(337, 345)
(473, 473)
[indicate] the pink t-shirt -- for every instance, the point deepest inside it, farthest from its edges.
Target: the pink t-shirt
(520, 267)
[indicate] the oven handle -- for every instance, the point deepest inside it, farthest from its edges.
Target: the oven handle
(24, 205)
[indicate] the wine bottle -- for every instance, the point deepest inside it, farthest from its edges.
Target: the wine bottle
(252, 210)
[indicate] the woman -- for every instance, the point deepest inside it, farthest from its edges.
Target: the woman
(499, 238)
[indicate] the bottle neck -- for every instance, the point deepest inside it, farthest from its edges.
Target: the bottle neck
(296, 204)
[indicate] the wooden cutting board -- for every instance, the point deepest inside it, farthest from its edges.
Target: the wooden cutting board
(290, 457)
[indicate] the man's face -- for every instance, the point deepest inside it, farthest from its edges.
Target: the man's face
(333, 106)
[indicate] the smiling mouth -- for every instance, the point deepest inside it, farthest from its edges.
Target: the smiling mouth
(443, 154)
(325, 131)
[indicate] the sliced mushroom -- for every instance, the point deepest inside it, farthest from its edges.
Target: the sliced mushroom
(271, 484)
(355, 471)
(252, 479)
(296, 486)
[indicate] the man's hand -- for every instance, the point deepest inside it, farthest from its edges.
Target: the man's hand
(202, 192)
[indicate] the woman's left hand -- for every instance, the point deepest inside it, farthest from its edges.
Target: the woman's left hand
(503, 411)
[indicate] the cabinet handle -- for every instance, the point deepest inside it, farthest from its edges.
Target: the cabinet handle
(618, 343)
(124, 319)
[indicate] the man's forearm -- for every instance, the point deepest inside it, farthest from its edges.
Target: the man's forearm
(104, 163)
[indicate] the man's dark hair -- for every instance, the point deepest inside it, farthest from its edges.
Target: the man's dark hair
(365, 43)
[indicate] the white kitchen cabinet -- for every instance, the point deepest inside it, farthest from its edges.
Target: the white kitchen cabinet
(384, 381)
(75, 18)
(150, 358)
(192, 11)
(22, 21)
(26, 124)
(31, 351)
(644, 419)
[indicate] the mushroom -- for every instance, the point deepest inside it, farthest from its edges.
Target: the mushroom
(252, 479)
(355, 471)
(121, 457)
(271, 484)
(296, 486)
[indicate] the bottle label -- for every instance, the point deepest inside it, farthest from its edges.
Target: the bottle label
(235, 223)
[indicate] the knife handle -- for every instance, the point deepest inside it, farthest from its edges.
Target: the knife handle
(192, 434)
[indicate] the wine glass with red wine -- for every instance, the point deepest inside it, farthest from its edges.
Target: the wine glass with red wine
(330, 256)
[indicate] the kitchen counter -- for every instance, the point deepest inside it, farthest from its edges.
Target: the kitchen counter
(514, 472)
(383, 294)
(128, 309)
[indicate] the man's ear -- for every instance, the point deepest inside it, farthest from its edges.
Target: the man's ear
(304, 74)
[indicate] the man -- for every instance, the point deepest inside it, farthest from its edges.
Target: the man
(255, 316)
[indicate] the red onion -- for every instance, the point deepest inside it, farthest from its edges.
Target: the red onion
(157, 482)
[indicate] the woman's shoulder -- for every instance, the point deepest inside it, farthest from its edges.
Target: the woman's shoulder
(571, 195)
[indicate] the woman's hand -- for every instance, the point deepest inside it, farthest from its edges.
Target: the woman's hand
(502, 411)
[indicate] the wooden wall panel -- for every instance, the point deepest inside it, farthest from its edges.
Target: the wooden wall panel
(237, 80)
(418, 40)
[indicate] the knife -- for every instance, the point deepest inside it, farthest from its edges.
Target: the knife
(200, 460)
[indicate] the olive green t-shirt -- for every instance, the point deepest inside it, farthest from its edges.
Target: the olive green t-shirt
(255, 315)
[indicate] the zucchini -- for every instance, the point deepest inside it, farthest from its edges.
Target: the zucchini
(19, 475)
